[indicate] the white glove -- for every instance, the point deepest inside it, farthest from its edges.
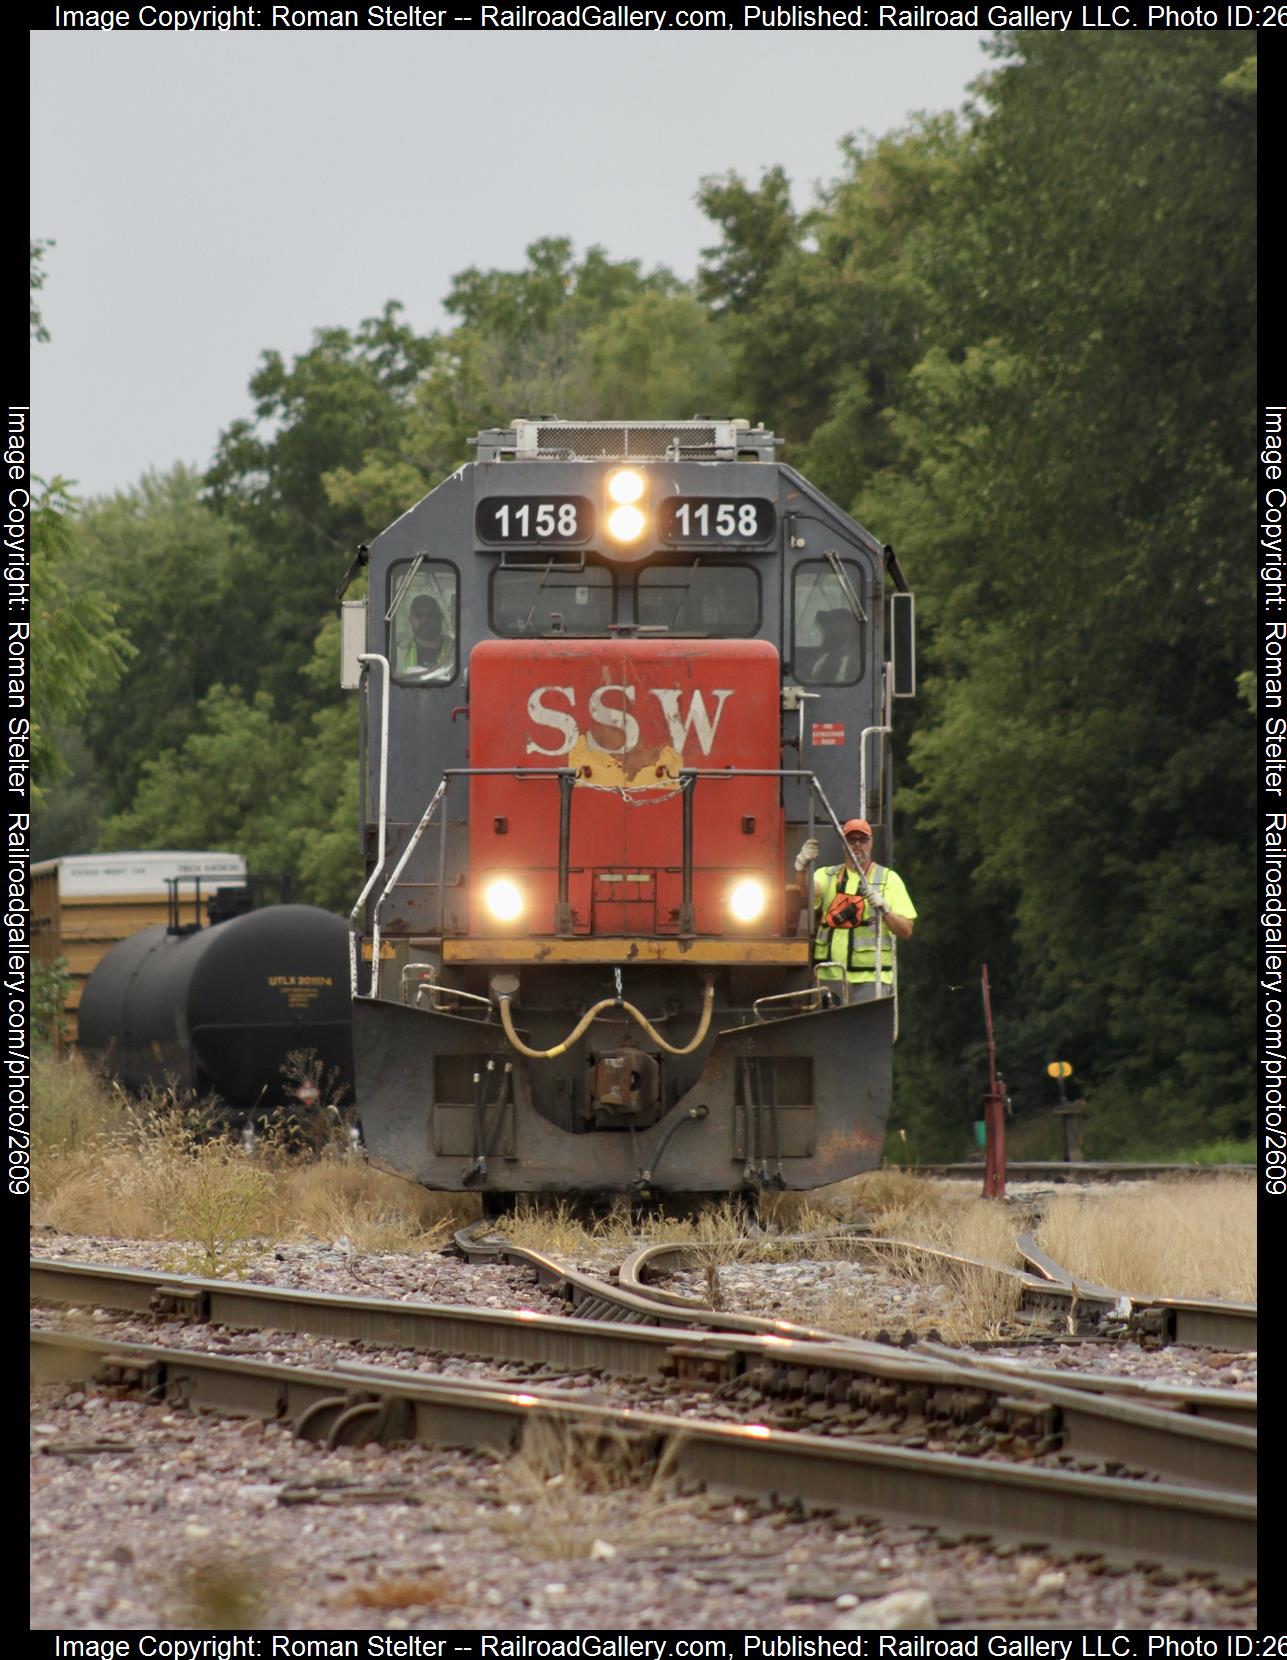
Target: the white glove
(807, 854)
(878, 901)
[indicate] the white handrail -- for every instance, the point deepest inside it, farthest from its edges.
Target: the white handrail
(392, 883)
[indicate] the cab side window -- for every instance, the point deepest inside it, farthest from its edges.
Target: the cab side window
(423, 624)
(829, 637)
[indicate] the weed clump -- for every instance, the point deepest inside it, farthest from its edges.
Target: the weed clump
(561, 1494)
(153, 1169)
(222, 1592)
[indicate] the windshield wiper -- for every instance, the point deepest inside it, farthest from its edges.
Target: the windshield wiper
(545, 576)
(687, 593)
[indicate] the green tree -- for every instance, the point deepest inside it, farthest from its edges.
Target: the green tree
(188, 585)
(594, 338)
(37, 282)
(77, 652)
(277, 786)
(348, 397)
(823, 311)
(1073, 475)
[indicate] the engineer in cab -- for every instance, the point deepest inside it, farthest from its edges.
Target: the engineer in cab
(427, 651)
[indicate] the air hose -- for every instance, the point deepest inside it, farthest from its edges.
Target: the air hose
(583, 1025)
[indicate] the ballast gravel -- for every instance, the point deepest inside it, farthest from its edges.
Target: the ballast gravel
(144, 1517)
(180, 1520)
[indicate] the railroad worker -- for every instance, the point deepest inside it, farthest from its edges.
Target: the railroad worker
(844, 946)
(427, 654)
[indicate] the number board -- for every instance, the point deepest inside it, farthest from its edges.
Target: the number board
(708, 519)
(534, 519)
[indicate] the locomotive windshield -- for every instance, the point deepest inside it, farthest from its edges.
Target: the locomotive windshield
(700, 598)
(552, 601)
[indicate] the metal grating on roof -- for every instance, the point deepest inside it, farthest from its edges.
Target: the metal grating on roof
(621, 442)
(555, 440)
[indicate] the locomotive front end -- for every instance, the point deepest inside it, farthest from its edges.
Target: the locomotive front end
(603, 704)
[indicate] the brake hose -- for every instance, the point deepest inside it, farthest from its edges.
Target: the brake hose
(583, 1025)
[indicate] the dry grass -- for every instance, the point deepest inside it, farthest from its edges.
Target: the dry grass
(71, 1105)
(717, 1234)
(561, 1229)
(569, 1495)
(142, 1170)
(960, 1301)
(104, 1165)
(341, 1195)
(1182, 1239)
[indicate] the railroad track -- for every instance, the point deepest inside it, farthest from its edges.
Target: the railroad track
(1041, 1170)
(855, 1392)
(1050, 1293)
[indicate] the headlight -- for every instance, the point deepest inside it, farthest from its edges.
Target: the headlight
(625, 488)
(503, 899)
(747, 901)
(625, 524)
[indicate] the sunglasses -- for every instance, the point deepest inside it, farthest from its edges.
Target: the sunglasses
(858, 837)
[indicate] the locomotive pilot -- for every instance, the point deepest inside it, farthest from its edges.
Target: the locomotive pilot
(844, 946)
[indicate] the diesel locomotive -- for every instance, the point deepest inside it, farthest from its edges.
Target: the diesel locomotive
(613, 675)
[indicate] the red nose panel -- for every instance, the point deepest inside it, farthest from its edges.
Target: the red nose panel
(626, 716)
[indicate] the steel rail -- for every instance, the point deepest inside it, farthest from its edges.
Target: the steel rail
(1229, 1406)
(1204, 1323)
(597, 1299)
(628, 1348)
(1136, 1520)
(1083, 1421)
(1210, 1323)
(1128, 1433)
(1021, 1170)
(1037, 1293)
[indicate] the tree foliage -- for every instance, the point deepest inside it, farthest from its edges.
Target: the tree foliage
(77, 652)
(37, 282)
(187, 585)
(1072, 476)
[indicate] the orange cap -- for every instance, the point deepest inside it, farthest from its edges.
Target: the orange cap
(859, 824)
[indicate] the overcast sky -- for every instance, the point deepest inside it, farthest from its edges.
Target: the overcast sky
(216, 195)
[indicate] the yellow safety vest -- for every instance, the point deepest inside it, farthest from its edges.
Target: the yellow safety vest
(853, 950)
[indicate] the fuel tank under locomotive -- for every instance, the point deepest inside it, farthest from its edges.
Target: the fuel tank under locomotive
(219, 1009)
